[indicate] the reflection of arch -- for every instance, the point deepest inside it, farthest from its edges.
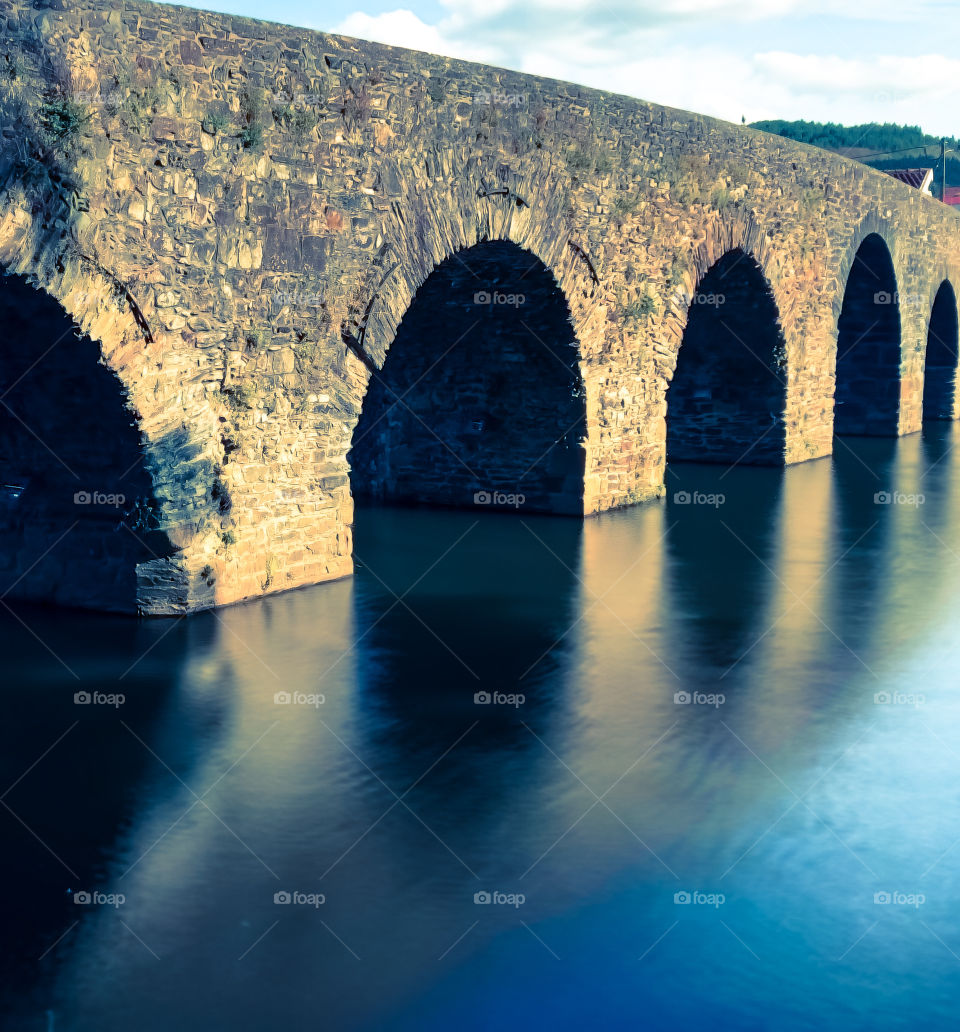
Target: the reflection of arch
(77, 511)
(514, 631)
(721, 530)
(480, 392)
(867, 398)
(940, 367)
(727, 397)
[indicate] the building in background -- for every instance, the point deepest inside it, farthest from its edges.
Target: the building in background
(919, 178)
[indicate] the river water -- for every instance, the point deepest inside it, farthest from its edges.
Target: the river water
(715, 784)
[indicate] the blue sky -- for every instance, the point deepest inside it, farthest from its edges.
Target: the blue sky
(852, 62)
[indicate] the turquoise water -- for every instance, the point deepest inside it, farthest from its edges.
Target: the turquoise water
(715, 786)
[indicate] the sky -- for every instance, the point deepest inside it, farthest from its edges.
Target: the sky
(873, 60)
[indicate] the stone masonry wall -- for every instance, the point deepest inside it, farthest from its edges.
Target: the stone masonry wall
(245, 212)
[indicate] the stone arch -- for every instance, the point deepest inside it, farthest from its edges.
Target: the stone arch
(480, 398)
(505, 231)
(80, 520)
(940, 361)
(869, 338)
(727, 395)
(78, 513)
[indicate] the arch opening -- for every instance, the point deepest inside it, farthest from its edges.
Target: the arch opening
(725, 403)
(867, 397)
(940, 367)
(480, 400)
(77, 512)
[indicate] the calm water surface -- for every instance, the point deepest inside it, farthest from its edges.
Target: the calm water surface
(752, 705)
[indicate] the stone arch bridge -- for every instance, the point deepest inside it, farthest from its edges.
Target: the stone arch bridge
(252, 270)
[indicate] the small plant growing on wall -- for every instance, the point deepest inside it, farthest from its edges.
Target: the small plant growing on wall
(139, 108)
(215, 122)
(720, 197)
(811, 201)
(435, 90)
(44, 127)
(251, 117)
(62, 118)
(640, 309)
(356, 105)
(239, 395)
(624, 205)
(253, 340)
(298, 121)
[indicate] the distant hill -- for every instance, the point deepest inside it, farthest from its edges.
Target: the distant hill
(871, 143)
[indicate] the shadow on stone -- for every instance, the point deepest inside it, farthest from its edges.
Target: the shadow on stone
(480, 396)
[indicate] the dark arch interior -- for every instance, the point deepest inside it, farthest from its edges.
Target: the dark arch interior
(726, 400)
(940, 369)
(76, 504)
(480, 399)
(867, 401)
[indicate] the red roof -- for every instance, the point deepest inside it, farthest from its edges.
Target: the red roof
(952, 195)
(911, 176)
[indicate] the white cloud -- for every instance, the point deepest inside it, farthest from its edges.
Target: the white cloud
(401, 28)
(645, 48)
(902, 77)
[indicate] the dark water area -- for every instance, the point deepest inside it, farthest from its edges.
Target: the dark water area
(701, 757)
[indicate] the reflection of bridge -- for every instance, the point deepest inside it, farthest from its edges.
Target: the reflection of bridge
(244, 219)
